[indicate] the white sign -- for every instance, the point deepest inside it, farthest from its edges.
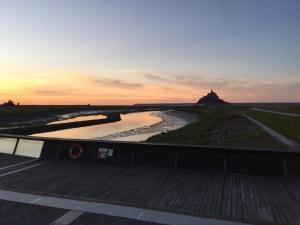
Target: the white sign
(103, 153)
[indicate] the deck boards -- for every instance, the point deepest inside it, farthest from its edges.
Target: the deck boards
(253, 199)
(7, 160)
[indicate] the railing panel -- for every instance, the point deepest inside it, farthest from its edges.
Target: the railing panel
(29, 148)
(191, 157)
(201, 160)
(7, 145)
(255, 163)
(155, 156)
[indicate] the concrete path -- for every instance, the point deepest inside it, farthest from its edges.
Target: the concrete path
(68, 218)
(275, 112)
(77, 207)
(279, 137)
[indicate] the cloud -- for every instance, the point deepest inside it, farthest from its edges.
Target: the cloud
(107, 82)
(154, 77)
(235, 89)
(132, 70)
(54, 91)
(117, 83)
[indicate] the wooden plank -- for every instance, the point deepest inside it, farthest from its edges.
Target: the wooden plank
(233, 197)
(218, 196)
(239, 211)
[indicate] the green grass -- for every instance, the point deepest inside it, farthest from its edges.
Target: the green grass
(24, 113)
(224, 126)
(24, 110)
(289, 126)
(283, 108)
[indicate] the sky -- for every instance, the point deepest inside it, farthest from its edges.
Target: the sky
(149, 51)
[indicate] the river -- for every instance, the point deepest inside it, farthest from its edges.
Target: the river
(138, 126)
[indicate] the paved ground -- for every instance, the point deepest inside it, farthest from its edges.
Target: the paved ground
(249, 199)
(76, 208)
(95, 219)
(12, 213)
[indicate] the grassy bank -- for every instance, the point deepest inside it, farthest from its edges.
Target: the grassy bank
(223, 126)
(29, 130)
(25, 113)
(283, 108)
(289, 126)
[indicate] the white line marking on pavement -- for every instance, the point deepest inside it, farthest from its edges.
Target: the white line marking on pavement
(141, 214)
(68, 218)
(153, 216)
(17, 164)
(19, 170)
(35, 200)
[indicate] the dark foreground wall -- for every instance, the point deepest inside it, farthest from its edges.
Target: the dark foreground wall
(203, 158)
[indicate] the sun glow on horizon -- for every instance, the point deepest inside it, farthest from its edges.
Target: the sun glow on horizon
(70, 88)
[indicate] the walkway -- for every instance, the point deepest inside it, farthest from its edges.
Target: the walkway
(78, 208)
(279, 137)
(275, 112)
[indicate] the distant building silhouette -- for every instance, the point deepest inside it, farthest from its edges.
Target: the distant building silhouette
(9, 103)
(211, 99)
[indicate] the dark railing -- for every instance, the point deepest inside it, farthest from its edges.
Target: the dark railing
(191, 157)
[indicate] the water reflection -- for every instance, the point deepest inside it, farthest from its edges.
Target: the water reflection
(30, 148)
(128, 122)
(7, 145)
(79, 118)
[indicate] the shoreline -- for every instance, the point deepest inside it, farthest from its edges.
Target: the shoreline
(60, 117)
(38, 129)
(170, 120)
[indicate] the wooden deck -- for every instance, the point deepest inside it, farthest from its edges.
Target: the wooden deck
(7, 160)
(245, 198)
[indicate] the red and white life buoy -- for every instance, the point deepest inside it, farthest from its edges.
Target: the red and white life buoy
(73, 154)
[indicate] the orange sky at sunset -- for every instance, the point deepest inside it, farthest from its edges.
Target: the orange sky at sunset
(139, 87)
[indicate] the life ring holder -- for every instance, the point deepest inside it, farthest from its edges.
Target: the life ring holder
(73, 154)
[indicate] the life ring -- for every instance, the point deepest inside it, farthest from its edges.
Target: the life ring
(75, 154)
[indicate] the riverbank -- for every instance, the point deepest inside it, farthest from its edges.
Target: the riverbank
(37, 129)
(128, 121)
(170, 120)
(27, 115)
(220, 126)
(19, 116)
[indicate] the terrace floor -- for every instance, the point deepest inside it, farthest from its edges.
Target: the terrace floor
(239, 198)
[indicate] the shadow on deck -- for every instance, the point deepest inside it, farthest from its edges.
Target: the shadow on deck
(244, 198)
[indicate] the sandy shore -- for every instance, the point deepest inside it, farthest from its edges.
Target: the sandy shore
(170, 120)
